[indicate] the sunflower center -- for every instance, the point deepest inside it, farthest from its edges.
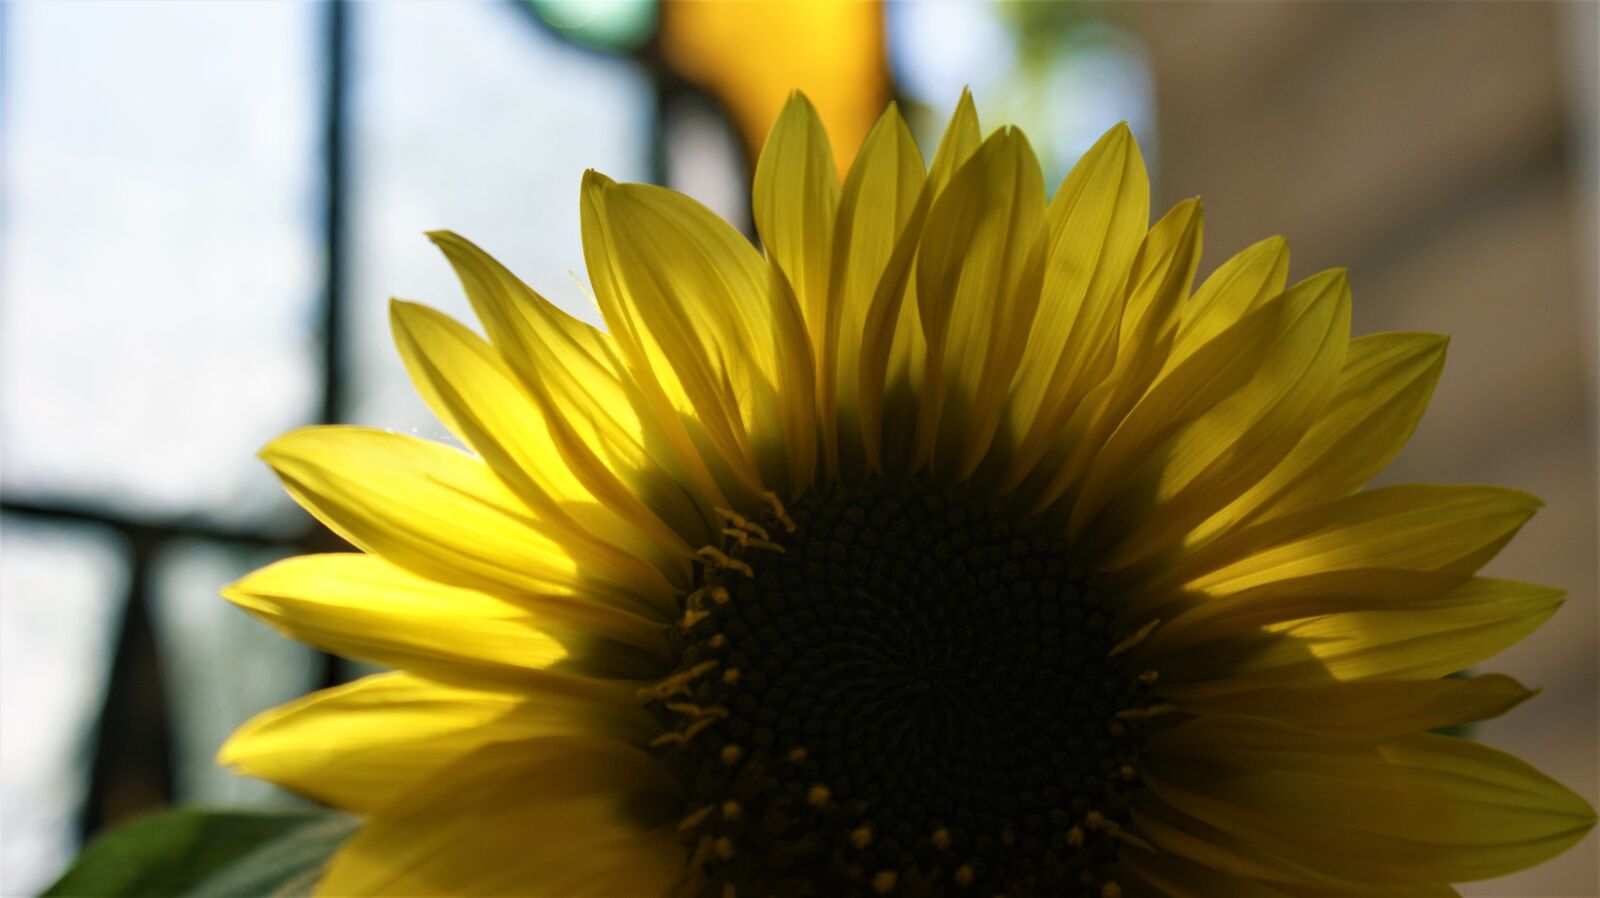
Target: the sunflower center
(905, 693)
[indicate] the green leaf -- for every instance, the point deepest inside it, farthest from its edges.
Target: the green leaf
(197, 853)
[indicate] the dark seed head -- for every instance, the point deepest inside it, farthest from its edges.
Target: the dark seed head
(917, 695)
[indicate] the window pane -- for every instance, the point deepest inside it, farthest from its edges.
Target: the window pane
(705, 161)
(160, 256)
(64, 589)
(1064, 72)
(472, 118)
(222, 666)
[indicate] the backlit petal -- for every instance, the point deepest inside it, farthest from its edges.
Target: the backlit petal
(1356, 631)
(433, 510)
(893, 350)
(359, 746)
(1454, 529)
(1239, 285)
(1170, 876)
(1194, 855)
(1214, 424)
(603, 424)
(1162, 273)
(880, 193)
(796, 199)
(1356, 711)
(1413, 809)
(478, 397)
(1094, 224)
(973, 300)
(705, 322)
(1380, 395)
(558, 816)
(364, 607)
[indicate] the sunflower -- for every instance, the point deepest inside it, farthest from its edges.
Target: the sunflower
(954, 545)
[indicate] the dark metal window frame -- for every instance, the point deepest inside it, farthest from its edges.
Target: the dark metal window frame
(132, 765)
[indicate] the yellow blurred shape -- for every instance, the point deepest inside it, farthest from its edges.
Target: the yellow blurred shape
(751, 53)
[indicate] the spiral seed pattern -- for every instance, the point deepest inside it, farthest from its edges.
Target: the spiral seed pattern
(906, 693)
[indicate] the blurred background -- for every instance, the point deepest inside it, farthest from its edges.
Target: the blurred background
(204, 208)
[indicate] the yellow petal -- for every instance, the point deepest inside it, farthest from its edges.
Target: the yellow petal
(478, 397)
(1095, 224)
(426, 507)
(1194, 617)
(1355, 631)
(603, 425)
(1369, 890)
(364, 607)
(704, 321)
(361, 745)
(1169, 875)
(559, 816)
(1424, 527)
(1490, 616)
(972, 299)
(1199, 860)
(1414, 809)
(880, 194)
(1203, 434)
(1391, 890)
(795, 198)
(959, 142)
(1357, 711)
(893, 350)
(473, 393)
(1162, 273)
(1241, 284)
(1380, 396)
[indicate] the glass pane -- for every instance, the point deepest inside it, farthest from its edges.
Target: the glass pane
(160, 256)
(705, 161)
(472, 118)
(1064, 72)
(221, 667)
(63, 588)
